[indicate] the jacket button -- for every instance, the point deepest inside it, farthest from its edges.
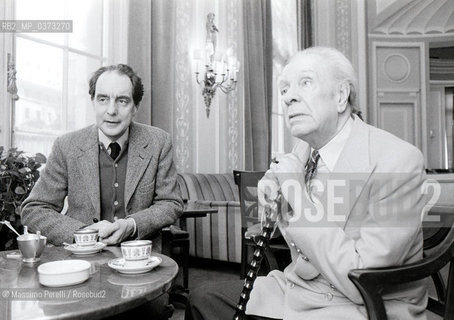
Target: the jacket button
(115, 203)
(291, 284)
(329, 296)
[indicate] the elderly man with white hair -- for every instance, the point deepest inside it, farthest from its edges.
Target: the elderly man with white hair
(353, 199)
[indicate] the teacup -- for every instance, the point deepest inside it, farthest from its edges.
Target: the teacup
(136, 252)
(86, 237)
(31, 246)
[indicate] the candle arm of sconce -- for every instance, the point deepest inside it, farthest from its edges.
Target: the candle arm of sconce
(228, 88)
(197, 78)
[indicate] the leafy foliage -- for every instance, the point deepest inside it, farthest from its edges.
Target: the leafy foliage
(18, 174)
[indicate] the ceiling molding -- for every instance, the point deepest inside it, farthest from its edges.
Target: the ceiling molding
(419, 18)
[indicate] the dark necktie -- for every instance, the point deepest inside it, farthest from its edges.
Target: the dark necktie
(114, 150)
(311, 169)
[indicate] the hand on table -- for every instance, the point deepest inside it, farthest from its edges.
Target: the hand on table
(114, 232)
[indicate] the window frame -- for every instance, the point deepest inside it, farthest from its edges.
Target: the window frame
(114, 50)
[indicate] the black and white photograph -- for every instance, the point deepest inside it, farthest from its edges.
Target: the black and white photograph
(227, 159)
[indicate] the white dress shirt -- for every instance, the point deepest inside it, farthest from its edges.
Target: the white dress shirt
(330, 152)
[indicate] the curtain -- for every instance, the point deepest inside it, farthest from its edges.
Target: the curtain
(258, 68)
(139, 51)
(304, 23)
(162, 63)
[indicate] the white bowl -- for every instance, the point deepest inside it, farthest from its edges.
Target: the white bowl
(63, 272)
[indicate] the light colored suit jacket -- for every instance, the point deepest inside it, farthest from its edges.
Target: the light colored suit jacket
(370, 208)
(152, 196)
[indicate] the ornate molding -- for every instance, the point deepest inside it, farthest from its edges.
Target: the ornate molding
(418, 18)
(396, 67)
(233, 126)
(182, 76)
(343, 27)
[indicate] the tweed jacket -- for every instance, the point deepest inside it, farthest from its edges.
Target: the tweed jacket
(152, 197)
(374, 220)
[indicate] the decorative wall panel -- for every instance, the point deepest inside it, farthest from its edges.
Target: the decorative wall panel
(343, 27)
(398, 68)
(399, 119)
(399, 90)
(233, 125)
(183, 86)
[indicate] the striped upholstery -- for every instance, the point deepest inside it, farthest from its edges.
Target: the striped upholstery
(216, 236)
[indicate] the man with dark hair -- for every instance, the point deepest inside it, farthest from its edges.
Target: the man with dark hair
(118, 176)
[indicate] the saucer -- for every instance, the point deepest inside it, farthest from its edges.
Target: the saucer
(75, 249)
(119, 264)
(136, 280)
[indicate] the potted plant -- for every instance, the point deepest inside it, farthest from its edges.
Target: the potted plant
(18, 174)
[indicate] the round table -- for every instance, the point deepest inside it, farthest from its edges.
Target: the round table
(106, 293)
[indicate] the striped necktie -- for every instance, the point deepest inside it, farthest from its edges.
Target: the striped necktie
(311, 169)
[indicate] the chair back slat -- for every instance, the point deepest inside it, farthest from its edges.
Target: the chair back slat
(438, 242)
(247, 186)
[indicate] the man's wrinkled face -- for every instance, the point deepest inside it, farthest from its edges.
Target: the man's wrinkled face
(308, 99)
(113, 104)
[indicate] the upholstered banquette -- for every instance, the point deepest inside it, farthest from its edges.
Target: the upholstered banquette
(216, 236)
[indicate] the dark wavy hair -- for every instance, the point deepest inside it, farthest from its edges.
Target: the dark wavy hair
(137, 86)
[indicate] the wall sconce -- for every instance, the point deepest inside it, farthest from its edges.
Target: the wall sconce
(220, 70)
(12, 88)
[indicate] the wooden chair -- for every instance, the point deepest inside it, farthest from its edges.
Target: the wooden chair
(174, 237)
(250, 227)
(438, 252)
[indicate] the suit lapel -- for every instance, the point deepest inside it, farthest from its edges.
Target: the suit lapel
(354, 164)
(139, 155)
(89, 165)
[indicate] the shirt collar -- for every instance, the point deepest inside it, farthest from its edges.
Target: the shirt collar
(103, 139)
(331, 151)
